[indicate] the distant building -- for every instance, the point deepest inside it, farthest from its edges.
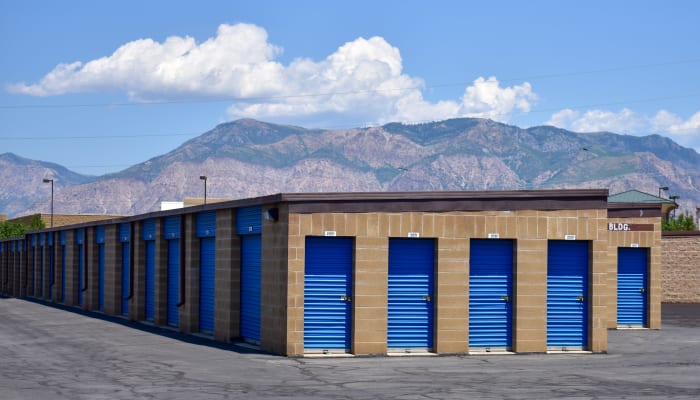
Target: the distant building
(64, 219)
(171, 205)
(635, 196)
(196, 201)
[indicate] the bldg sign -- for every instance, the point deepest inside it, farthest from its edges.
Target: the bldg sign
(623, 227)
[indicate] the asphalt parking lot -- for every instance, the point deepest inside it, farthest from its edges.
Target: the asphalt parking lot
(53, 353)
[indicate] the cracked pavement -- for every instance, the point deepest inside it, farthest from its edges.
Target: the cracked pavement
(49, 352)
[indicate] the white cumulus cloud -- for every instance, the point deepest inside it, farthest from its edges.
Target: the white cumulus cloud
(362, 81)
(664, 122)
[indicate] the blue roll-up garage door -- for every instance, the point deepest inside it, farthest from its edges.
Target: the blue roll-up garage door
(80, 234)
(567, 294)
(100, 240)
(328, 293)
(173, 316)
(126, 266)
(207, 281)
(206, 231)
(124, 238)
(150, 280)
(250, 287)
(172, 231)
(52, 263)
(149, 236)
(410, 313)
(632, 286)
(62, 244)
(249, 227)
(490, 293)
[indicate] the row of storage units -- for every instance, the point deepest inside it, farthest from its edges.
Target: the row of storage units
(446, 272)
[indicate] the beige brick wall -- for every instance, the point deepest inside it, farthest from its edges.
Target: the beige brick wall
(371, 231)
(681, 269)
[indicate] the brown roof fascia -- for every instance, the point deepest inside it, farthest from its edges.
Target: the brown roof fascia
(680, 233)
(634, 210)
(447, 201)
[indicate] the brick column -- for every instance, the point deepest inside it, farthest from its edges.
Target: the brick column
(228, 277)
(137, 304)
(113, 262)
(71, 278)
(189, 311)
(91, 268)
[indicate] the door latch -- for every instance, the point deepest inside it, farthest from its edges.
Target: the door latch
(505, 298)
(427, 298)
(345, 298)
(581, 298)
(642, 290)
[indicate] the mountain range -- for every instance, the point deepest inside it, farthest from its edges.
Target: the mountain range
(246, 158)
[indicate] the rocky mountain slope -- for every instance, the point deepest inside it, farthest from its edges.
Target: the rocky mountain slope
(248, 158)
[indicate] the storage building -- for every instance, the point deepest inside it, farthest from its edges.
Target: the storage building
(364, 273)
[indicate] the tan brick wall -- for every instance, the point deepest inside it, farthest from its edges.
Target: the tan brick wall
(681, 269)
(641, 239)
(228, 277)
(113, 276)
(282, 286)
(371, 231)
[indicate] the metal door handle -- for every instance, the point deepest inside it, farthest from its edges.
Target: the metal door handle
(642, 290)
(581, 298)
(345, 298)
(505, 298)
(427, 298)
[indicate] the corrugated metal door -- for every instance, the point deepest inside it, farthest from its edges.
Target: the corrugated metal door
(173, 316)
(250, 287)
(52, 262)
(150, 280)
(38, 265)
(249, 227)
(410, 314)
(126, 265)
(207, 281)
(249, 220)
(328, 293)
(172, 226)
(80, 234)
(149, 236)
(567, 294)
(62, 243)
(490, 293)
(100, 240)
(124, 238)
(632, 286)
(206, 231)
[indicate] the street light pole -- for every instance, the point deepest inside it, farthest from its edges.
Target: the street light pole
(204, 178)
(664, 188)
(47, 181)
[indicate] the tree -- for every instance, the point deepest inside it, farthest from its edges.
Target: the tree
(683, 222)
(11, 229)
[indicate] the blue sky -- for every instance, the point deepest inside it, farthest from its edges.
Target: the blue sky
(98, 86)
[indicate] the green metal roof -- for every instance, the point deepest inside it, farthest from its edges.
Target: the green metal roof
(635, 196)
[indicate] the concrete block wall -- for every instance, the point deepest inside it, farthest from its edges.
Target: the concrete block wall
(281, 266)
(452, 231)
(680, 278)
